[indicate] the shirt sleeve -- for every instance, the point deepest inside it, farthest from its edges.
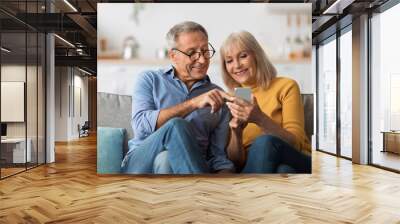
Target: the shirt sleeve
(144, 111)
(218, 159)
(293, 114)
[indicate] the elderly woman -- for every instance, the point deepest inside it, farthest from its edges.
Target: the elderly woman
(266, 135)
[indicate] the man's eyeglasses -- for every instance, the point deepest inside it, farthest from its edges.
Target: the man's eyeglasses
(207, 54)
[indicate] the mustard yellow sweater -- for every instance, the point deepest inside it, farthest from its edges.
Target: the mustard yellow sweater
(281, 101)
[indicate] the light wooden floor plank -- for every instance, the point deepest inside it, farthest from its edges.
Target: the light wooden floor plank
(69, 191)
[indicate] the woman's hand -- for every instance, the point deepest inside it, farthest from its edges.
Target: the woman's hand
(244, 112)
(236, 124)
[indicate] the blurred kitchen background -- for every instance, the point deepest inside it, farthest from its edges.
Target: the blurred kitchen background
(131, 38)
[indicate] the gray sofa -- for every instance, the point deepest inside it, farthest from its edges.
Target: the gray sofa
(114, 129)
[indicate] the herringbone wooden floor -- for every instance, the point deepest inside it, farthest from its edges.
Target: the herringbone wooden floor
(69, 191)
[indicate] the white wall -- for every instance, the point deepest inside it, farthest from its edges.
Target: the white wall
(61, 103)
(18, 73)
(66, 101)
(314, 84)
(12, 101)
(120, 78)
(80, 84)
(267, 22)
(33, 125)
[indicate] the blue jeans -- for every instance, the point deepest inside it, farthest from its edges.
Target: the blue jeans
(270, 154)
(184, 154)
(161, 164)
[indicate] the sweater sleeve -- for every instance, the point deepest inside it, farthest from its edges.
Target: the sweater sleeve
(293, 114)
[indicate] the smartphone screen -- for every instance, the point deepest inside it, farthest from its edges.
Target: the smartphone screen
(244, 93)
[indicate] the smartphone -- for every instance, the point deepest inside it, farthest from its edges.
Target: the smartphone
(243, 92)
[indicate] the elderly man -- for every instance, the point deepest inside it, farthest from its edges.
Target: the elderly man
(179, 118)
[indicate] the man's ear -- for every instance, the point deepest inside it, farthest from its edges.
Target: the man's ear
(171, 55)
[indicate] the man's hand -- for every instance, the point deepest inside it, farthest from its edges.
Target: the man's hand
(213, 98)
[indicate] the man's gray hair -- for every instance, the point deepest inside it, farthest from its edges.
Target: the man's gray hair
(183, 27)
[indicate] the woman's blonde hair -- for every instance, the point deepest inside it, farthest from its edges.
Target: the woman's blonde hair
(265, 71)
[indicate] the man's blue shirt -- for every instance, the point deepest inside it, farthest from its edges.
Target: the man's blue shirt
(161, 89)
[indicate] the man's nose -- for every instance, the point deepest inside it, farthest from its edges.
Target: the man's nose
(201, 59)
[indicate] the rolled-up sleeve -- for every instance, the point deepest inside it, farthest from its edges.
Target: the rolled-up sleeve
(144, 111)
(218, 159)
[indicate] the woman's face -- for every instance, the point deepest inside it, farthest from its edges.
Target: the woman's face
(241, 65)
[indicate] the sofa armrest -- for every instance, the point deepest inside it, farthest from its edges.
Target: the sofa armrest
(110, 142)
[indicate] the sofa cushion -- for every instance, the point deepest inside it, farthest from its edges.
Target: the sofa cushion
(308, 102)
(115, 110)
(109, 149)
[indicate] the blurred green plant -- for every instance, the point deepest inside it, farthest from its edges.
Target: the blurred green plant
(137, 8)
